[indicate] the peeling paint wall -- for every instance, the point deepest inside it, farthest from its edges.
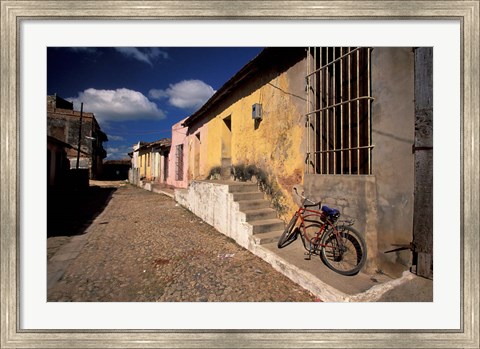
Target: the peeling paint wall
(355, 197)
(212, 202)
(383, 202)
(229, 135)
(393, 132)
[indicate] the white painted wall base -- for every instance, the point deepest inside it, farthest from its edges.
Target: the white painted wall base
(214, 204)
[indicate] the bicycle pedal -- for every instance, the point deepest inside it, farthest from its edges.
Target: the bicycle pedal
(307, 256)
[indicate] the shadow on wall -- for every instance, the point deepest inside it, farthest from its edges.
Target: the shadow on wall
(70, 212)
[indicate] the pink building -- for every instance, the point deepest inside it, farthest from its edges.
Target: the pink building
(177, 159)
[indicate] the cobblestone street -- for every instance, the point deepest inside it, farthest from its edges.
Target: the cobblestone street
(145, 247)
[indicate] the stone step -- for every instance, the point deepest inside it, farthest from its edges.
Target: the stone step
(260, 214)
(255, 195)
(240, 187)
(266, 238)
(267, 225)
(248, 205)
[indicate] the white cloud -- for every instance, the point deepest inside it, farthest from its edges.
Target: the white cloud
(115, 153)
(146, 55)
(117, 105)
(115, 138)
(186, 94)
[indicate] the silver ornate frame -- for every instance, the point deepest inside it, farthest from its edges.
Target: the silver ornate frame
(12, 12)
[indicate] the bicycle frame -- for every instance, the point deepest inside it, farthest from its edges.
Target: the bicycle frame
(324, 223)
(339, 245)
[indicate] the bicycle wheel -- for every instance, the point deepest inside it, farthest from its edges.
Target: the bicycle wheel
(349, 260)
(290, 233)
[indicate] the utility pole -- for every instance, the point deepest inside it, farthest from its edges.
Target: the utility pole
(79, 135)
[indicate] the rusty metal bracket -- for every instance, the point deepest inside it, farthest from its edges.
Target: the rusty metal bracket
(414, 148)
(402, 247)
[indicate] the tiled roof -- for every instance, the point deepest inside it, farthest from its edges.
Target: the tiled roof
(161, 143)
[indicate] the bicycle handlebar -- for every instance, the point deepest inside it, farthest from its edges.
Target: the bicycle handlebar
(304, 198)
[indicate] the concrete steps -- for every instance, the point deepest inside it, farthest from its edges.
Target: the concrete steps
(243, 187)
(260, 214)
(248, 196)
(266, 227)
(267, 238)
(248, 205)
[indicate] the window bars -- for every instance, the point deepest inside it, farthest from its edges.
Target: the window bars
(339, 111)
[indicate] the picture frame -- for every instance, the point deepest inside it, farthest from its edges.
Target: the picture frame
(13, 12)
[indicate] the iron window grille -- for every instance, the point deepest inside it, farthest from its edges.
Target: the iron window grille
(339, 111)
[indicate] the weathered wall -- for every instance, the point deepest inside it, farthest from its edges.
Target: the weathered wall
(155, 171)
(144, 158)
(212, 202)
(198, 154)
(64, 124)
(382, 203)
(355, 197)
(134, 175)
(393, 131)
(273, 144)
(57, 164)
(179, 136)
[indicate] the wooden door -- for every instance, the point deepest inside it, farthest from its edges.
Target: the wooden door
(423, 150)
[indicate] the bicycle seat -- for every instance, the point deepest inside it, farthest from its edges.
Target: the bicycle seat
(330, 211)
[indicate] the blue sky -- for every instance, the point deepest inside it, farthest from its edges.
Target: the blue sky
(137, 94)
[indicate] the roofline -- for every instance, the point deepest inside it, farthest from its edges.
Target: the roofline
(157, 143)
(57, 141)
(244, 73)
(235, 79)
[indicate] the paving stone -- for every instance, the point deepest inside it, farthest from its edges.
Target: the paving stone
(152, 250)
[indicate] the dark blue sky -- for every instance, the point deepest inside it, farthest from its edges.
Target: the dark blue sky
(139, 93)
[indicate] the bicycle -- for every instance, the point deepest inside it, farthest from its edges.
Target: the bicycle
(339, 245)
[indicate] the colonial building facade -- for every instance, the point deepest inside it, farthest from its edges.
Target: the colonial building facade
(81, 131)
(339, 124)
(350, 126)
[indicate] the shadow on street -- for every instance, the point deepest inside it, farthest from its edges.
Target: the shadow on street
(70, 212)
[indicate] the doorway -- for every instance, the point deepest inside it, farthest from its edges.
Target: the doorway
(226, 157)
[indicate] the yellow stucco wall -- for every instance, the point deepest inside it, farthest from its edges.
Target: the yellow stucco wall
(145, 161)
(274, 144)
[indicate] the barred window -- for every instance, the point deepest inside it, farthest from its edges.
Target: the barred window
(338, 111)
(179, 163)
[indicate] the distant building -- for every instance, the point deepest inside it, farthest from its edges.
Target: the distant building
(116, 169)
(150, 161)
(63, 124)
(134, 172)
